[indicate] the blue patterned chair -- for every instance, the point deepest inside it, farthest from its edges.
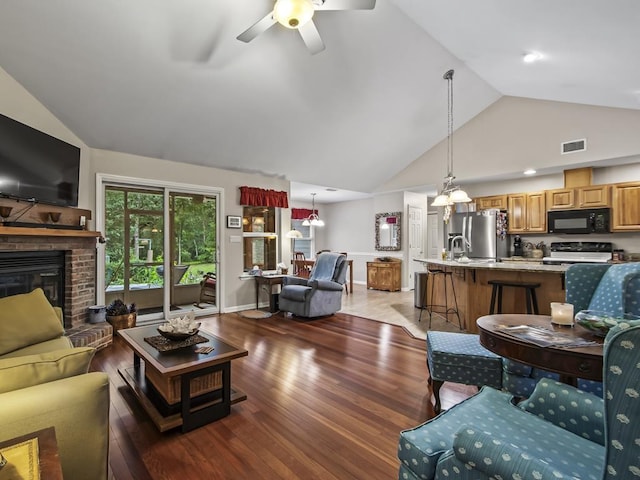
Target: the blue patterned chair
(605, 287)
(321, 293)
(459, 358)
(560, 432)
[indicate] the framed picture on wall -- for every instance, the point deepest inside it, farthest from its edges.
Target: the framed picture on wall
(233, 221)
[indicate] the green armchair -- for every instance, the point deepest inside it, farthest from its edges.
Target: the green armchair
(44, 382)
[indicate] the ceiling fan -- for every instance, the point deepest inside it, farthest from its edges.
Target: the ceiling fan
(297, 15)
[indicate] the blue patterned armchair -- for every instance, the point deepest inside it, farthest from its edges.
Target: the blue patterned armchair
(321, 293)
(558, 433)
(604, 287)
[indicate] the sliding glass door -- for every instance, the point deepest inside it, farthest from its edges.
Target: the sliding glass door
(161, 250)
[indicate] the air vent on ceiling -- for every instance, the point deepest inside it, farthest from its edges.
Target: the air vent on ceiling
(573, 146)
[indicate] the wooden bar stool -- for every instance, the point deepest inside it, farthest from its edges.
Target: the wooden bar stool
(530, 288)
(446, 309)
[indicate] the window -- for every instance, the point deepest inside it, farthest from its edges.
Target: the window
(260, 238)
(306, 243)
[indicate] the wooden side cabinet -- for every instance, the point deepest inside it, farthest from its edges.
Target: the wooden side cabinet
(384, 275)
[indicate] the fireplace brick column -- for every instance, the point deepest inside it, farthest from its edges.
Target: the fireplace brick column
(80, 264)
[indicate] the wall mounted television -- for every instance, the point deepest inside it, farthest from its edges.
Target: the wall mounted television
(37, 167)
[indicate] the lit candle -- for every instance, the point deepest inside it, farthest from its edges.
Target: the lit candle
(562, 313)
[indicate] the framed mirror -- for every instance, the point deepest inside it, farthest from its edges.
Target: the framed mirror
(388, 231)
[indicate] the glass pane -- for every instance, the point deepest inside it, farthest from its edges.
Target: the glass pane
(194, 237)
(259, 219)
(260, 251)
(114, 234)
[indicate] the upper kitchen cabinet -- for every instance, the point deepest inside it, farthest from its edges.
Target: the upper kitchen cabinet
(494, 201)
(594, 196)
(527, 212)
(591, 196)
(561, 198)
(625, 214)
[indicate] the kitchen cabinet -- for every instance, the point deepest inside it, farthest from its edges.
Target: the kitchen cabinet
(527, 212)
(590, 196)
(494, 201)
(561, 198)
(625, 211)
(384, 275)
(594, 196)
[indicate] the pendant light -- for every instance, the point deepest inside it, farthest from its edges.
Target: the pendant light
(313, 219)
(450, 192)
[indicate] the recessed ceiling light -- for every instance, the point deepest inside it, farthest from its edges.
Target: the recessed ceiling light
(530, 171)
(531, 57)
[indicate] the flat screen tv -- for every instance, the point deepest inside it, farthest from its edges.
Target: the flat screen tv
(37, 167)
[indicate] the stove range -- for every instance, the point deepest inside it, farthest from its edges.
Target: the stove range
(564, 253)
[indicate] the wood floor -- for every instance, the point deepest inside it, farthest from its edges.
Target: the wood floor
(327, 399)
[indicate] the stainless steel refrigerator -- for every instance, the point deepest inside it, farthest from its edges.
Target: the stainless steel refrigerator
(483, 235)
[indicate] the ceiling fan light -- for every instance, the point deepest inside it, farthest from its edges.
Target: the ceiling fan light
(293, 13)
(459, 196)
(440, 201)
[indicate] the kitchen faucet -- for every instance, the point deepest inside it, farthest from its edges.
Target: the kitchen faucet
(464, 243)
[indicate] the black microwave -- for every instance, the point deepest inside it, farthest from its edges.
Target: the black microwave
(587, 220)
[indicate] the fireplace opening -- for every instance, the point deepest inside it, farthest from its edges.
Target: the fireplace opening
(22, 272)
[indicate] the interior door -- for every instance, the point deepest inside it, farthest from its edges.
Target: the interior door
(416, 249)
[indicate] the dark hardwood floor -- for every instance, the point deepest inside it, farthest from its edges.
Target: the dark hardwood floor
(327, 399)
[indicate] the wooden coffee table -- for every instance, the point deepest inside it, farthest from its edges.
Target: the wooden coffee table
(181, 388)
(570, 363)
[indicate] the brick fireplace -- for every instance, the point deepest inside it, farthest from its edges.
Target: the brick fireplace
(79, 250)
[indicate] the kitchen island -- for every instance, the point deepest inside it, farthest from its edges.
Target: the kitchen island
(473, 292)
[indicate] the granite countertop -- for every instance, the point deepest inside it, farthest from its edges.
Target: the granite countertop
(515, 266)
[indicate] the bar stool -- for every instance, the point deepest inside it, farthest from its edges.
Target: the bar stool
(530, 289)
(432, 276)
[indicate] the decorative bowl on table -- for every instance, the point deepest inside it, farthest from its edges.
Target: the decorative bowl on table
(180, 328)
(599, 323)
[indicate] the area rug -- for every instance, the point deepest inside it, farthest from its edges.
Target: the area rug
(407, 316)
(254, 314)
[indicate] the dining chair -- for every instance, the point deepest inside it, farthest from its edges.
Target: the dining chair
(300, 270)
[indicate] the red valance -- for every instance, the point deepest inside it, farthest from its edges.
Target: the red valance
(302, 213)
(259, 197)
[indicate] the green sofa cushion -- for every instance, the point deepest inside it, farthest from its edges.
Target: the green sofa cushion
(26, 319)
(22, 372)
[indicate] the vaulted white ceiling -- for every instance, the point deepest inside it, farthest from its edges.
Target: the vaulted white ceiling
(168, 79)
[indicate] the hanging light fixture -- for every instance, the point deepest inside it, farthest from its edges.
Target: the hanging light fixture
(293, 13)
(450, 192)
(313, 219)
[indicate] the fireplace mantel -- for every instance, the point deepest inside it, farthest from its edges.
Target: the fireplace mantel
(47, 232)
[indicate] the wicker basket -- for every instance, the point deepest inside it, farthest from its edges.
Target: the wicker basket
(122, 321)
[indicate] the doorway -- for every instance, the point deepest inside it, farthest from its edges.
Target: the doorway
(161, 250)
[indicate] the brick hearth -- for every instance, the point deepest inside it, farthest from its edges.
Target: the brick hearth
(80, 264)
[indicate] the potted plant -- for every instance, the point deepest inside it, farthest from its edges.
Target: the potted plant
(121, 315)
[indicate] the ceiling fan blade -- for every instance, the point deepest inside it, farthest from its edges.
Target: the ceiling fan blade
(346, 5)
(257, 28)
(311, 37)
